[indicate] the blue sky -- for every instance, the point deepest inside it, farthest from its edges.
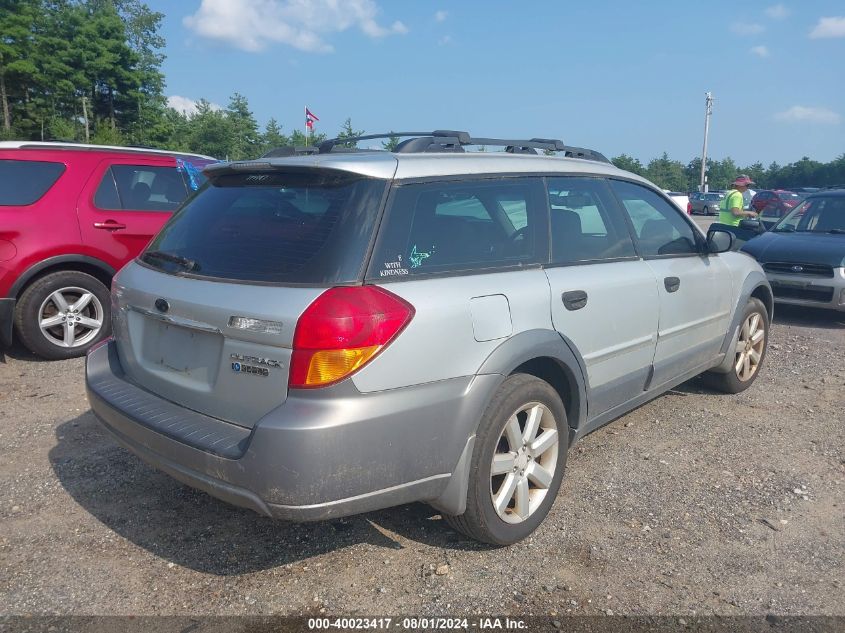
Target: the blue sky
(616, 76)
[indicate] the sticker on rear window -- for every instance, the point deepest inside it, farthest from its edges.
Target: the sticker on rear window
(393, 269)
(416, 258)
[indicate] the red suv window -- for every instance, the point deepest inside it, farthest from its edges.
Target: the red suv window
(141, 188)
(23, 182)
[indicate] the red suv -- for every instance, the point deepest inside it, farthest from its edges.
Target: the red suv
(70, 217)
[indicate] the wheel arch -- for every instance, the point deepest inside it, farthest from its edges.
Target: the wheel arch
(764, 293)
(548, 356)
(78, 263)
(755, 286)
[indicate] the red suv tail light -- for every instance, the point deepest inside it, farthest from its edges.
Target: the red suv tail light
(343, 330)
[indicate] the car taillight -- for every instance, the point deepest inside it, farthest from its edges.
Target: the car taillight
(342, 330)
(689, 208)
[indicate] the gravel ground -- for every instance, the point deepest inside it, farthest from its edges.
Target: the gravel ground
(696, 503)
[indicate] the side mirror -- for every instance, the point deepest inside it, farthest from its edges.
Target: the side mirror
(719, 241)
(755, 226)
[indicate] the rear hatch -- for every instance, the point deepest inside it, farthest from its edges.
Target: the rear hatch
(206, 316)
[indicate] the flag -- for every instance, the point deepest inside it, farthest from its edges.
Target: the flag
(310, 117)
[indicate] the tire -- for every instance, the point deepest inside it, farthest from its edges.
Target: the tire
(520, 396)
(52, 298)
(706, 210)
(736, 380)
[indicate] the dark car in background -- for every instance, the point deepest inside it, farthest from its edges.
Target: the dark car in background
(773, 204)
(705, 203)
(804, 253)
(71, 216)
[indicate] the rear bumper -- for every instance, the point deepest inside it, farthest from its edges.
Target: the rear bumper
(322, 454)
(817, 292)
(7, 318)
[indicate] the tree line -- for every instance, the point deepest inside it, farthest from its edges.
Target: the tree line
(676, 176)
(90, 71)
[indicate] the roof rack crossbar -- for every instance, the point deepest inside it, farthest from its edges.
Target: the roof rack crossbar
(328, 145)
(444, 141)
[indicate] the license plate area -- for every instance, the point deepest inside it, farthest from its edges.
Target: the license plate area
(192, 354)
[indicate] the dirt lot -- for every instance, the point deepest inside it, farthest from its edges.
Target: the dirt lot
(695, 503)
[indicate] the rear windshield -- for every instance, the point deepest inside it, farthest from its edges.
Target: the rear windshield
(309, 227)
(23, 182)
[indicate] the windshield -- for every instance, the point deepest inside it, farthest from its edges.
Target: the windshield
(788, 195)
(815, 215)
(713, 196)
(308, 227)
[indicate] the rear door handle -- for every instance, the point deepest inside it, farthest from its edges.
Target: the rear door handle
(109, 225)
(671, 284)
(574, 299)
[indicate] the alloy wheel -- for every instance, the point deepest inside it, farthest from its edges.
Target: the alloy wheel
(749, 346)
(524, 462)
(70, 317)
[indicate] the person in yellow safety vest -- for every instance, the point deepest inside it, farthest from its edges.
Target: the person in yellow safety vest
(730, 211)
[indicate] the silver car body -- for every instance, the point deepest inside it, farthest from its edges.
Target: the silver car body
(402, 428)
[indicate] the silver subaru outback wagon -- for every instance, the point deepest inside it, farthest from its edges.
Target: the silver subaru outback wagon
(325, 332)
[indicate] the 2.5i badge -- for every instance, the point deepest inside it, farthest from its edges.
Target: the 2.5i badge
(241, 364)
(250, 369)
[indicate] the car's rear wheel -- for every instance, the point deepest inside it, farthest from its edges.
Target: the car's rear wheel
(749, 350)
(63, 314)
(517, 464)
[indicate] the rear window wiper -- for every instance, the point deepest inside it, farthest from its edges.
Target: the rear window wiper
(187, 264)
(836, 231)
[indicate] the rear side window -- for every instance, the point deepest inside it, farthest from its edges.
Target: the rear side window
(23, 182)
(310, 227)
(585, 223)
(141, 188)
(456, 226)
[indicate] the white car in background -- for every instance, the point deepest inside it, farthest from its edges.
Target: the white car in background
(679, 198)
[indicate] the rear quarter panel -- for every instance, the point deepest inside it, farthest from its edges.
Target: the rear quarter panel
(459, 322)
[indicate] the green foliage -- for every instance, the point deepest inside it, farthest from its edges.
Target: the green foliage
(629, 163)
(391, 143)
(210, 132)
(347, 131)
(273, 136)
(669, 173)
(297, 138)
(105, 134)
(245, 139)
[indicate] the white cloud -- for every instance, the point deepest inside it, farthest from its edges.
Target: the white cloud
(441, 16)
(799, 113)
(747, 28)
(777, 11)
(760, 51)
(829, 27)
(443, 41)
(186, 105)
(303, 24)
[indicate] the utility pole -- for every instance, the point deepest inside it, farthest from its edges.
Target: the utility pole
(708, 110)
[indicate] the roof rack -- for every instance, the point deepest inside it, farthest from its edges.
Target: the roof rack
(440, 141)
